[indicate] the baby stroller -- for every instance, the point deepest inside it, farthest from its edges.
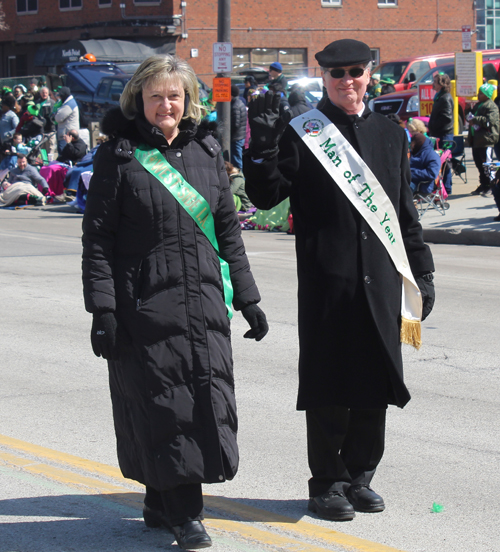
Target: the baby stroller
(437, 198)
(38, 155)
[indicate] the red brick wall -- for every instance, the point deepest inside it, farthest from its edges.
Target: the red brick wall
(49, 14)
(407, 30)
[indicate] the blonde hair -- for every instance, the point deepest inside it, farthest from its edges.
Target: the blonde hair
(158, 69)
(416, 125)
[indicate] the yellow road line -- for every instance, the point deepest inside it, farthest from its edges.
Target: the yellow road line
(310, 530)
(114, 492)
(63, 458)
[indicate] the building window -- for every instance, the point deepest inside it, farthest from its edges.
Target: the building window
(147, 2)
(331, 3)
(27, 6)
(70, 4)
(293, 60)
(387, 3)
(104, 3)
(487, 24)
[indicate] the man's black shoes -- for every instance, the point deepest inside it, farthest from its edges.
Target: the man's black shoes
(364, 499)
(332, 505)
(191, 535)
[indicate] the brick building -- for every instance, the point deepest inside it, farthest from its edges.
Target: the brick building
(44, 34)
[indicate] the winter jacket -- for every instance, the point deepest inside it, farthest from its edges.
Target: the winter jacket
(298, 104)
(424, 164)
(237, 184)
(238, 119)
(349, 292)
(67, 117)
(30, 175)
(280, 79)
(46, 107)
(73, 151)
(8, 123)
(146, 260)
(484, 126)
(441, 119)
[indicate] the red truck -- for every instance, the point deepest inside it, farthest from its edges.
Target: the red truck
(405, 102)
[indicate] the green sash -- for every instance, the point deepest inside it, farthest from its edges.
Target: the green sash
(194, 204)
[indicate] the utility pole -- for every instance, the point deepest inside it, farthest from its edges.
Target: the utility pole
(224, 108)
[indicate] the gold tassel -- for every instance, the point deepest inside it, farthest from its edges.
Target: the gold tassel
(411, 332)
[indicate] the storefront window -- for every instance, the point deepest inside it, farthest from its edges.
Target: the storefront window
(293, 60)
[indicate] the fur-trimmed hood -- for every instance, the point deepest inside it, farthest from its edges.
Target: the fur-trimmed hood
(127, 133)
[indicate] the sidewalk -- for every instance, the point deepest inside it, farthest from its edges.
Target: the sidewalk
(469, 220)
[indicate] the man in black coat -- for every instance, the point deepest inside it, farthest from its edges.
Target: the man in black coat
(238, 127)
(74, 150)
(349, 294)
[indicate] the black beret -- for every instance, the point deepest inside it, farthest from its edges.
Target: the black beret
(343, 53)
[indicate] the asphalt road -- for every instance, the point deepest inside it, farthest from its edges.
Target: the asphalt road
(60, 489)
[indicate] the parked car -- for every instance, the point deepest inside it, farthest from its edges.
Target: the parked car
(406, 71)
(406, 103)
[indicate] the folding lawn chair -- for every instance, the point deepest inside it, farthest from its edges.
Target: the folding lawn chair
(437, 198)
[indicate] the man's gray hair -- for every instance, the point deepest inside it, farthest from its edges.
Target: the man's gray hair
(159, 69)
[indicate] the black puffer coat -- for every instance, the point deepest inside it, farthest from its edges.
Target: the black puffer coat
(349, 293)
(238, 119)
(145, 259)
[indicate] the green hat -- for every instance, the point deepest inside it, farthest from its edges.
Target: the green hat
(488, 90)
(33, 110)
(387, 81)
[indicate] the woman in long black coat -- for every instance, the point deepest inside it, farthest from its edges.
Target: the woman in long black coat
(152, 281)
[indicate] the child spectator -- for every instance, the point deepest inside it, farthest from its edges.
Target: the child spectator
(10, 151)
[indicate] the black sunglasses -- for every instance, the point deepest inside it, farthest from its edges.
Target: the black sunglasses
(354, 72)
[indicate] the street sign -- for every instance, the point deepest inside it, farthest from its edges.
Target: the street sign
(222, 57)
(221, 90)
(466, 38)
(426, 99)
(469, 73)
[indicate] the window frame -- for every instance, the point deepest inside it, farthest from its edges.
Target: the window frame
(387, 3)
(331, 3)
(147, 2)
(104, 4)
(27, 11)
(71, 8)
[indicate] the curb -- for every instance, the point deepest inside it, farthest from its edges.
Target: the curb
(462, 236)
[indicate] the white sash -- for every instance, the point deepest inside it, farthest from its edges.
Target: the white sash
(353, 176)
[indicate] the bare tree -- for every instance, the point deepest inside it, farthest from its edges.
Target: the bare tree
(3, 25)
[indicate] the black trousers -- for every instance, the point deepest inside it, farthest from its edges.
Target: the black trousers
(344, 446)
(181, 504)
(480, 156)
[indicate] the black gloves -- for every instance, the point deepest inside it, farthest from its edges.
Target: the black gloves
(266, 125)
(104, 335)
(426, 286)
(254, 315)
